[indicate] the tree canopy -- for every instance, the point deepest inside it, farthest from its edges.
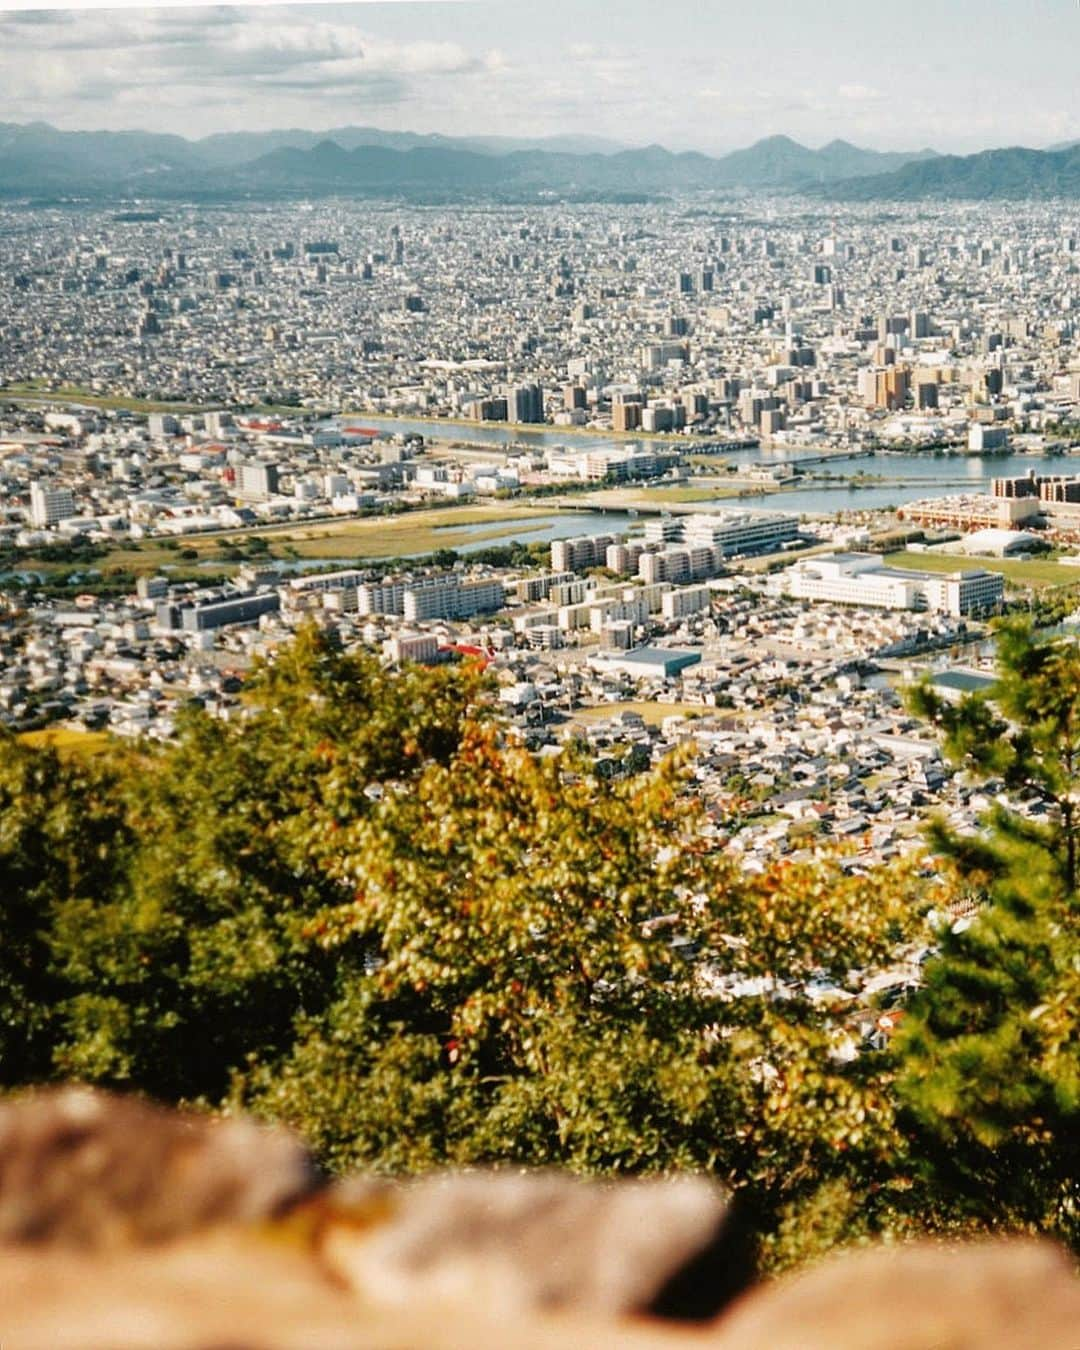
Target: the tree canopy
(365, 908)
(990, 1054)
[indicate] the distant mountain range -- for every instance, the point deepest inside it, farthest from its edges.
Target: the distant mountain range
(1013, 174)
(37, 159)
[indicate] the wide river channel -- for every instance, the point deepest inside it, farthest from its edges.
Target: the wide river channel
(888, 478)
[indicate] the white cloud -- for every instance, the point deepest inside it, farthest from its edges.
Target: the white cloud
(859, 93)
(160, 59)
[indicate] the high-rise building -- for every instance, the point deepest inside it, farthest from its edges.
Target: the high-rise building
(451, 598)
(575, 555)
(257, 481)
(50, 505)
(885, 387)
(656, 355)
(625, 416)
(525, 403)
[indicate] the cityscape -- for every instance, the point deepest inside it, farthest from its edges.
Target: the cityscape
(640, 417)
(541, 658)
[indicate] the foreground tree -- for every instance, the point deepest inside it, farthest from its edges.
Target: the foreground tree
(63, 841)
(990, 1055)
(198, 962)
(542, 966)
(364, 908)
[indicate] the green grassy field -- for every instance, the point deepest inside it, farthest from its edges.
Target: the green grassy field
(1036, 572)
(652, 713)
(399, 538)
(657, 496)
(373, 537)
(222, 553)
(68, 740)
(36, 390)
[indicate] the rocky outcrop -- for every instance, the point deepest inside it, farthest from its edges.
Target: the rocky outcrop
(523, 1242)
(252, 1295)
(127, 1227)
(80, 1168)
(1009, 1294)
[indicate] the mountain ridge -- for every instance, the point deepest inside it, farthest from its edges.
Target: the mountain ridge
(37, 157)
(1011, 173)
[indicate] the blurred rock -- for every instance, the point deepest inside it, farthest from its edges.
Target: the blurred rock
(1009, 1294)
(128, 1227)
(234, 1292)
(81, 1168)
(514, 1242)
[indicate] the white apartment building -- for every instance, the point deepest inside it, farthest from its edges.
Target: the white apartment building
(623, 558)
(575, 555)
(687, 600)
(634, 609)
(422, 648)
(968, 592)
(861, 579)
(531, 589)
(381, 597)
(451, 598)
(740, 531)
(50, 505)
(682, 563)
(257, 481)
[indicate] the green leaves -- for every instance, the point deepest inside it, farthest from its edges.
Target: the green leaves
(364, 908)
(990, 1055)
(63, 842)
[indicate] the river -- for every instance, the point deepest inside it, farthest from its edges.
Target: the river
(908, 475)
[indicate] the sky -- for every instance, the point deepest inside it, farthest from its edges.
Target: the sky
(710, 75)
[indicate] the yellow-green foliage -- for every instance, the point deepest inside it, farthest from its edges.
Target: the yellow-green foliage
(365, 909)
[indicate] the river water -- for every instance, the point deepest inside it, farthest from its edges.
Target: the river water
(906, 476)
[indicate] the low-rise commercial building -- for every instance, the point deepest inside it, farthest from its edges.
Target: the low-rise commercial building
(862, 579)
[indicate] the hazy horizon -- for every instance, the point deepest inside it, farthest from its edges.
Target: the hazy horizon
(969, 78)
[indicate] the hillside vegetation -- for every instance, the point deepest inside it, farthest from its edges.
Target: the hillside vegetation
(366, 911)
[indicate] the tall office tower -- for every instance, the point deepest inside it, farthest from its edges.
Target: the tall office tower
(656, 355)
(676, 325)
(686, 283)
(705, 279)
(626, 416)
(49, 505)
(258, 481)
(573, 396)
(891, 387)
(525, 403)
(919, 324)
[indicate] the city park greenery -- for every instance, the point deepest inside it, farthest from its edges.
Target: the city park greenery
(362, 908)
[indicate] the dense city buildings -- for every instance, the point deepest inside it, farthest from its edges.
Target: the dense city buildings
(724, 454)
